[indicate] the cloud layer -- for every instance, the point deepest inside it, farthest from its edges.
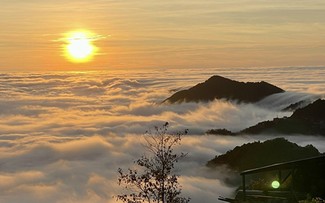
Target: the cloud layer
(63, 135)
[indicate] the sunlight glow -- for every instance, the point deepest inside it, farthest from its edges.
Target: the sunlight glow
(79, 47)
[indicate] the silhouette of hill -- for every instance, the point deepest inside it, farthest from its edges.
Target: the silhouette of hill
(218, 87)
(313, 112)
(295, 106)
(220, 132)
(307, 120)
(258, 154)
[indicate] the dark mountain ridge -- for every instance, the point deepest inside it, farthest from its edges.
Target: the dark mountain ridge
(313, 112)
(217, 87)
(258, 154)
(309, 120)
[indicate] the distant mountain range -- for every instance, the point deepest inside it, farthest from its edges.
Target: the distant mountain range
(309, 120)
(258, 154)
(218, 87)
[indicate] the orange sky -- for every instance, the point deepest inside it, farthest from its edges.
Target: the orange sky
(181, 34)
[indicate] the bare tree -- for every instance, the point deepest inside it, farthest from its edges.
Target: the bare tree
(156, 182)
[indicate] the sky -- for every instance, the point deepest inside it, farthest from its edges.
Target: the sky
(168, 34)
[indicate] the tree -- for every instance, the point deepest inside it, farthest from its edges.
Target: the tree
(156, 182)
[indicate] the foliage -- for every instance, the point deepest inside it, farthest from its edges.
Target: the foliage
(156, 182)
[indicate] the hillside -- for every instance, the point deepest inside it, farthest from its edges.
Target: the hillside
(218, 87)
(309, 120)
(258, 154)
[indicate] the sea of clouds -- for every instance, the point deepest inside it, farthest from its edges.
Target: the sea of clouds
(63, 135)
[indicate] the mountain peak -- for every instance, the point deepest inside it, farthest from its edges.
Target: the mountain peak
(218, 87)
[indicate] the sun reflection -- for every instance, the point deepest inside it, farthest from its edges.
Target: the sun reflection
(79, 47)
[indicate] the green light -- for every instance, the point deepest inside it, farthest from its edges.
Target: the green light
(275, 184)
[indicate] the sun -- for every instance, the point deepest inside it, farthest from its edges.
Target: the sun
(79, 47)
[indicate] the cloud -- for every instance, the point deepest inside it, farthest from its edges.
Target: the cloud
(64, 135)
(85, 168)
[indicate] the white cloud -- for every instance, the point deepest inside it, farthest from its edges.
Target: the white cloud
(63, 135)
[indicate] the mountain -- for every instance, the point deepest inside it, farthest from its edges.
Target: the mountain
(218, 87)
(222, 131)
(308, 120)
(258, 154)
(312, 112)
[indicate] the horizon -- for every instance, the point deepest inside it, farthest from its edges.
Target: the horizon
(155, 69)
